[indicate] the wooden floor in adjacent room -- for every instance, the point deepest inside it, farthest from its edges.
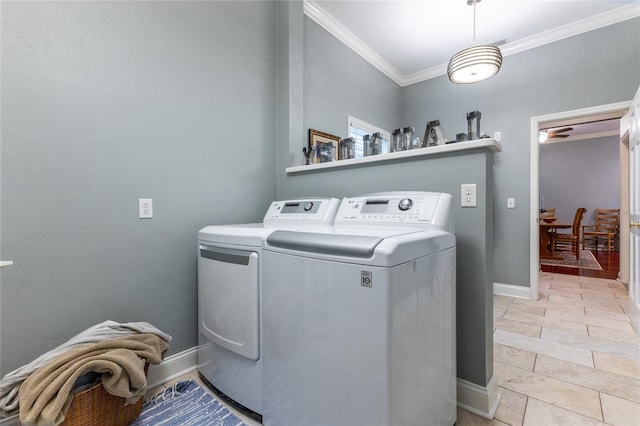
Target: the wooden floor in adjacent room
(610, 262)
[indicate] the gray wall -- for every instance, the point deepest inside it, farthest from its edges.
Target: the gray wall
(580, 174)
(527, 86)
(107, 102)
(595, 68)
(338, 83)
(366, 93)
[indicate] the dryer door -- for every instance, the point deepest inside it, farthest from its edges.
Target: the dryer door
(228, 295)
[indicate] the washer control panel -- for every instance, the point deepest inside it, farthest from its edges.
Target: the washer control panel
(310, 210)
(393, 208)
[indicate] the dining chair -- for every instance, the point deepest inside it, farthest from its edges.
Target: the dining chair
(569, 241)
(606, 225)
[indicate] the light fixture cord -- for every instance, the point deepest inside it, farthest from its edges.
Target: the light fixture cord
(474, 22)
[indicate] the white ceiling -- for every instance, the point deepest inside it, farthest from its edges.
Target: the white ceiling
(411, 41)
(588, 130)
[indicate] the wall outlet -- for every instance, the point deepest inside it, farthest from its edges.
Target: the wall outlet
(145, 208)
(511, 203)
(497, 136)
(468, 197)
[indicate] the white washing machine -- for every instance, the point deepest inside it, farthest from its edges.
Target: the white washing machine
(230, 294)
(359, 320)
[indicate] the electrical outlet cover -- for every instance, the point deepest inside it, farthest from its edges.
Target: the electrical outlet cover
(468, 195)
(145, 208)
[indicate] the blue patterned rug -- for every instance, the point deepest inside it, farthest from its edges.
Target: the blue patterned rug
(186, 404)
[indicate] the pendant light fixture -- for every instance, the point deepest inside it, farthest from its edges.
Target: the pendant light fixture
(476, 63)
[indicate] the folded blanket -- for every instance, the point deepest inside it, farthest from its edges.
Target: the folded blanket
(10, 384)
(46, 394)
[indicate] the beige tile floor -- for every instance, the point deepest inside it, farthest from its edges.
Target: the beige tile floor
(570, 358)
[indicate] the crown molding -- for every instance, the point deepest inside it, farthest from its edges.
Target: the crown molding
(342, 33)
(424, 75)
(582, 26)
(339, 31)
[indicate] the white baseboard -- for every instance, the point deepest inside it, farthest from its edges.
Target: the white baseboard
(634, 312)
(511, 290)
(172, 367)
(479, 400)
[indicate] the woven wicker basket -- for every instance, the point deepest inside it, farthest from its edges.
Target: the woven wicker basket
(97, 407)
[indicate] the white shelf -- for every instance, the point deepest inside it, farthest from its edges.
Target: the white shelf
(5, 263)
(490, 144)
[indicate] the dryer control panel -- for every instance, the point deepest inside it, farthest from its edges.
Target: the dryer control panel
(318, 211)
(412, 208)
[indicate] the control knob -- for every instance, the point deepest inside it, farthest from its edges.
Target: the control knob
(405, 204)
(308, 206)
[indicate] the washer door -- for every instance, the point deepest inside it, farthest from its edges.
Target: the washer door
(228, 295)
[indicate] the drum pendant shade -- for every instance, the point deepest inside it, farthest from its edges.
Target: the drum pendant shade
(475, 63)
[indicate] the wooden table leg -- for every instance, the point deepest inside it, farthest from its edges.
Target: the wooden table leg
(545, 244)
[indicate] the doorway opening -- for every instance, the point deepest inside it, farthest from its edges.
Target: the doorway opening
(555, 122)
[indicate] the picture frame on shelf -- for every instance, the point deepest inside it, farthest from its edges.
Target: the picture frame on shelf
(323, 147)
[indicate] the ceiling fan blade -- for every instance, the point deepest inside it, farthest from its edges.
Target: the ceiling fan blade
(566, 129)
(553, 135)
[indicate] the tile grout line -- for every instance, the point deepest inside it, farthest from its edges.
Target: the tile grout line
(594, 317)
(588, 293)
(535, 363)
(524, 414)
(551, 377)
(601, 408)
(563, 381)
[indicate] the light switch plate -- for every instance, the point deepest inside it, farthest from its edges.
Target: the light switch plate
(511, 203)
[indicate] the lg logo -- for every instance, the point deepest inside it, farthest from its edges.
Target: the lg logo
(366, 279)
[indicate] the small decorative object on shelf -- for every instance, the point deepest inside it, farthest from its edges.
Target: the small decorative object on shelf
(433, 134)
(473, 125)
(416, 143)
(325, 152)
(407, 136)
(347, 149)
(323, 147)
(307, 153)
(461, 137)
(372, 144)
(402, 139)
(397, 141)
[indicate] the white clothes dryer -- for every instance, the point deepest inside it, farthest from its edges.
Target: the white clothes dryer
(359, 320)
(230, 295)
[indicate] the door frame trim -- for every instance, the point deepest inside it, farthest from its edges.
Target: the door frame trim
(534, 179)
